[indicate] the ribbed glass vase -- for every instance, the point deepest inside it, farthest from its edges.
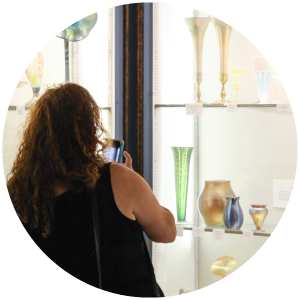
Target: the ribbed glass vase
(182, 156)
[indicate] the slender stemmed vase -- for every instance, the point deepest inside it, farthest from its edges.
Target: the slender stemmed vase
(263, 74)
(197, 27)
(182, 157)
(236, 72)
(223, 32)
(35, 73)
(233, 215)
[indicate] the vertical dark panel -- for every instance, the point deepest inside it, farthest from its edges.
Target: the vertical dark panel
(119, 72)
(137, 87)
(148, 93)
(130, 83)
(148, 100)
(140, 88)
(126, 20)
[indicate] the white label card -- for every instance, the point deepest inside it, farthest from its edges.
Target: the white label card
(282, 190)
(284, 109)
(231, 107)
(179, 230)
(197, 231)
(248, 234)
(194, 109)
(20, 110)
(218, 234)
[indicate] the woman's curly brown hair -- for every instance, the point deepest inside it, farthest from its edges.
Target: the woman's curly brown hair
(62, 144)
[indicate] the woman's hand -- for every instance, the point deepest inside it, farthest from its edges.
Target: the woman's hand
(128, 160)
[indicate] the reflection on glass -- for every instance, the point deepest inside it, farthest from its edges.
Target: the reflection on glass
(35, 73)
(236, 72)
(277, 80)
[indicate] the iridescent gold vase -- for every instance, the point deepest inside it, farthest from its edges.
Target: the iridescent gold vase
(212, 201)
(197, 27)
(258, 214)
(223, 31)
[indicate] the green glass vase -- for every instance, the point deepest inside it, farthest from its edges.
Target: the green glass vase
(182, 156)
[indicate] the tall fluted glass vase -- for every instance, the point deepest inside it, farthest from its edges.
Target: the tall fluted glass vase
(182, 156)
(197, 27)
(223, 31)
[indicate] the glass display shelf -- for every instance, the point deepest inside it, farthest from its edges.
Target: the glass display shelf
(217, 105)
(268, 229)
(13, 107)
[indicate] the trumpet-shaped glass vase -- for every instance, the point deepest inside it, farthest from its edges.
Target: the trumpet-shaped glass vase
(197, 27)
(182, 156)
(223, 31)
(35, 73)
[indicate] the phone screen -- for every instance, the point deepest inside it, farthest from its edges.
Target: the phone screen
(114, 151)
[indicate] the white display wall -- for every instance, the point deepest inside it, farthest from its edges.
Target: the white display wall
(250, 147)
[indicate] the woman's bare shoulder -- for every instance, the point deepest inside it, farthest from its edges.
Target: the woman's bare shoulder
(136, 200)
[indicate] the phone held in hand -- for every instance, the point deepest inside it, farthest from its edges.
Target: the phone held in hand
(114, 151)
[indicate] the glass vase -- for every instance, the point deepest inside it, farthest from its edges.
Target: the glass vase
(233, 215)
(223, 31)
(263, 73)
(35, 73)
(182, 156)
(212, 201)
(197, 27)
(258, 214)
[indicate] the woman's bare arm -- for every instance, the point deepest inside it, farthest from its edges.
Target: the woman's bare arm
(134, 196)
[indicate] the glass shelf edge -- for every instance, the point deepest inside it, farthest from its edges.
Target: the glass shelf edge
(14, 107)
(230, 231)
(215, 105)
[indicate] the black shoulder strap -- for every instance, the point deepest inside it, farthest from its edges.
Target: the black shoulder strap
(96, 231)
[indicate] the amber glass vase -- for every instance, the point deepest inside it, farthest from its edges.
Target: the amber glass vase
(212, 201)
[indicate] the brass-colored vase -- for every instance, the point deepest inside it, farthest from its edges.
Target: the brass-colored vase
(197, 27)
(212, 201)
(223, 31)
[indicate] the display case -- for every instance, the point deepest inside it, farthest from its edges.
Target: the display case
(251, 147)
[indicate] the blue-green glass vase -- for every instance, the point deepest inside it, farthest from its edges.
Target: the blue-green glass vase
(182, 156)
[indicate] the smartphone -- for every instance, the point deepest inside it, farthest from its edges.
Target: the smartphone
(114, 150)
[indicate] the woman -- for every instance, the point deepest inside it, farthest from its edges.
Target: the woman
(60, 160)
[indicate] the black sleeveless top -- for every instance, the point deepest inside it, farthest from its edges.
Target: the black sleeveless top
(126, 267)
